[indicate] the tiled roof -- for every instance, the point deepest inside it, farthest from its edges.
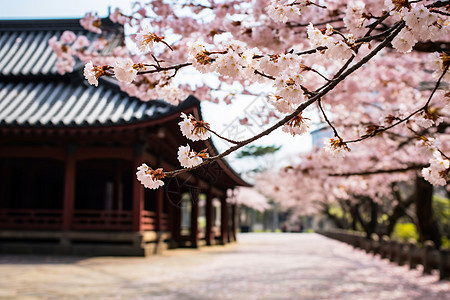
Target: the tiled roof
(45, 104)
(24, 46)
(32, 94)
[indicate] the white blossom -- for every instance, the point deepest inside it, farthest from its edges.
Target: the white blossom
(282, 12)
(150, 178)
(124, 70)
(339, 51)
(145, 39)
(404, 41)
(91, 73)
(189, 158)
(336, 147)
(192, 129)
(437, 172)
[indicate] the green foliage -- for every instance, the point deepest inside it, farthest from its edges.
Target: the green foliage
(405, 231)
(257, 151)
(441, 209)
(445, 243)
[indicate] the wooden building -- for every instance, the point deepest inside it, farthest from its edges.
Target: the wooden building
(69, 153)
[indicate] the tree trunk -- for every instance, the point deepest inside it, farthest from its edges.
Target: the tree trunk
(427, 224)
(399, 211)
(335, 219)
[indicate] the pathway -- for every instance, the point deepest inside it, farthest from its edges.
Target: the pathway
(260, 266)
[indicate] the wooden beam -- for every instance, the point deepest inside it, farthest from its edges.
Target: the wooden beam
(58, 153)
(105, 152)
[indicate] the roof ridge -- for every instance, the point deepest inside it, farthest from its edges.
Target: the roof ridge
(47, 24)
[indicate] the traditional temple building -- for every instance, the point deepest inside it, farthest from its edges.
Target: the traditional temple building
(69, 153)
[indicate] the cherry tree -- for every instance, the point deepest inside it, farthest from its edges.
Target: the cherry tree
(375, 71)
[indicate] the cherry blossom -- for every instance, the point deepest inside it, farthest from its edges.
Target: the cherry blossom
(437, 173)
(92, 73)
(150, 178)
(282, 11)
(91, 22)
(189, 158)
(193, 129)
(336, 147)
(296, 126)
(125, 70)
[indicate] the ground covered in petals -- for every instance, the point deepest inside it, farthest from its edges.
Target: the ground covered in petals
(260, 266)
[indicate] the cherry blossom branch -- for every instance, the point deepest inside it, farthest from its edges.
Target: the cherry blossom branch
(381, 171)
(336, 134)
(423, 108)
(222, 137)
(328, 87)
(162, 69)
(292, 24)
(438, 4)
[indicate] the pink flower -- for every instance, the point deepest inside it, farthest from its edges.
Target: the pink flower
(125, 70)
(150, 178)
(193, 129)
(189, 158)
(92, 73)
(91, 22)
(68, 37)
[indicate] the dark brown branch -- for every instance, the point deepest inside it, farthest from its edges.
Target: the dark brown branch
(423, 108)
(161, 69)
(336, 134)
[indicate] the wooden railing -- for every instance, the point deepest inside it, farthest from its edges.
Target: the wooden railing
(102, 220)
(148, 220)
(30, 218)
(398, 252)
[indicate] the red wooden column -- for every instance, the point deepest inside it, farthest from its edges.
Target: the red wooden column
(159, 208)
(209, 217)
(69, 188)
(194, 219)
(138, 190)
(223, 220)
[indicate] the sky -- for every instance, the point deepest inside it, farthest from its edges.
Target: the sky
(213, 113)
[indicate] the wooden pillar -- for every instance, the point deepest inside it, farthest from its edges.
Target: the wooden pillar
(69, 188)
(159, 208)
(118, 187)
(233, 222)
(138, 190)
(223, 220)
(171, 222)
(209, 218)
(194, 219)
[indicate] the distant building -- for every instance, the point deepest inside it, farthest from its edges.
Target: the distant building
(68, 157)
(318, 135)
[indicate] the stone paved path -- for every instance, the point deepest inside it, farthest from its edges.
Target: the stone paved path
(260, 266)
